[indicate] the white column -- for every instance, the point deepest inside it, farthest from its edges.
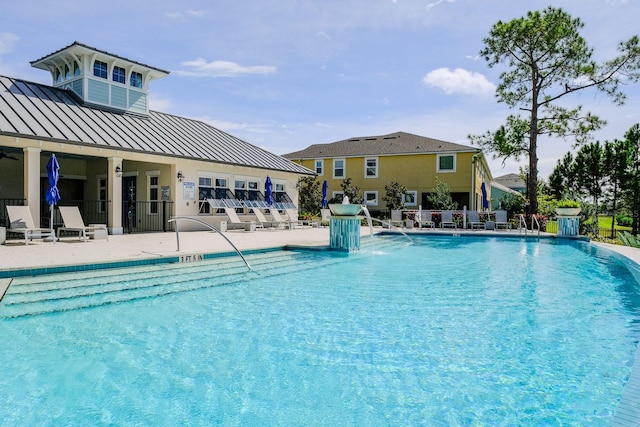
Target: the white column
(114, 220)
(32, 182)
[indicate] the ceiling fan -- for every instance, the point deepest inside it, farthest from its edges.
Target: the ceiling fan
(3, 156)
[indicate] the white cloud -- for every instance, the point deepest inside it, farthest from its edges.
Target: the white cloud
(201, 68)
(183, 16)
(7, 42)
(458, 81)
(436, 3)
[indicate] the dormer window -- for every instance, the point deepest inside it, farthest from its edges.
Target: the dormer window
(136, 79)
(67, 72)
(76, 69)
(57, 76)
(118, 75)
(100, 69)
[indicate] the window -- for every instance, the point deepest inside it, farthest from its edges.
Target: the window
(136, 79)
(118, 75)
(371, 167)
(211, 188)
(338, 168)
(320, 167)
(446, 163)
(154, 194)
(76, 69)
(58, 76)
(337, 195)
(205, 191)
(100, 69)
(411, 198)
(67, 72)
(371, 198)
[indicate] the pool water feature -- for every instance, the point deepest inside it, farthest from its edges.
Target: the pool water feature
(447, 331)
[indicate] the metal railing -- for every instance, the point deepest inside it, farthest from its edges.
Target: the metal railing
(522, 224)
(142, 217)
(4, 219)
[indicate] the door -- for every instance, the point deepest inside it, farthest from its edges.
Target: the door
(129, 217)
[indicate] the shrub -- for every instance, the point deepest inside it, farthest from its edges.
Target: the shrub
(624, 220)
(568, 204)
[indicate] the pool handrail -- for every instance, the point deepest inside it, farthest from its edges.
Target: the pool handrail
(523, 223)
(212, 228)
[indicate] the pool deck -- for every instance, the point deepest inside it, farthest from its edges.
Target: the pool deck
(15, 255)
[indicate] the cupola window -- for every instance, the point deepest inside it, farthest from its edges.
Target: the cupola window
(118, 75)
(136, 79)
(100, 69)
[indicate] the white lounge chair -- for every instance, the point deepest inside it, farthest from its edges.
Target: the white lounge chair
(288, 223)
(425, 220)
(73, 221)
(502, 220)
(446, 219)
(473, 220)
(236, 222)
(396, 218)
(265, 222)
(20, 221)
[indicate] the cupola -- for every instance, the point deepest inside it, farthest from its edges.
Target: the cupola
(101, 79)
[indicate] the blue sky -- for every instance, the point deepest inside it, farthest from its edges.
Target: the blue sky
(287, 74)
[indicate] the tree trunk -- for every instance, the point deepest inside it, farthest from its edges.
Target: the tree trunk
(532, 182)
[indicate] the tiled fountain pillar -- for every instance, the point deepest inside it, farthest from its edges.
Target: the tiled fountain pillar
(344, 232)
(568, 225)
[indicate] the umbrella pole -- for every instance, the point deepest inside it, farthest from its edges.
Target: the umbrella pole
(53, 235)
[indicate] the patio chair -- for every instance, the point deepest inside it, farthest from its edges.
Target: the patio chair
(425, 220)
(292, 215)
(73, 222)
(236, 222)
(21, 221)
(446, 219)
(502, 221)
(396, 218)
(473, 220)
(267, 223)
(288, 223)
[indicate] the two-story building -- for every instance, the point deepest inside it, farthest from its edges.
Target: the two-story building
(123, 164)
(413, 161)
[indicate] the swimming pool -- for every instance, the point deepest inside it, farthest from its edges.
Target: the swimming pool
(447, 331)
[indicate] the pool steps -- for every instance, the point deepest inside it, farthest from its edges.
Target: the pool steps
(36, 295)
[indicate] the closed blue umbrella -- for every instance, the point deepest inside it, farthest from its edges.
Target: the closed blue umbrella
(485, 200)
(52, 196)
(268, 189)
(325, 190)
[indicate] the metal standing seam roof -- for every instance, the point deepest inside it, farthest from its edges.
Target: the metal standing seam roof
(398, 143)
(37, 111)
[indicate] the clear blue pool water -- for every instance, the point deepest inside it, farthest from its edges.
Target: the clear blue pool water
(447, 331)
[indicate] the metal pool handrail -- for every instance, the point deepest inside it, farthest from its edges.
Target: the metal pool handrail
(523, 223)
(212, 228)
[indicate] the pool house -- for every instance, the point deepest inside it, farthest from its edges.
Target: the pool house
(124, 165)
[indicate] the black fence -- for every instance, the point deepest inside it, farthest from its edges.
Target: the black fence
(4, 219)
(137, 217)
(144, 217)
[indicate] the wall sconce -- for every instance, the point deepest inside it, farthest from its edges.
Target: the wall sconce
(118, 171)
(180, 176)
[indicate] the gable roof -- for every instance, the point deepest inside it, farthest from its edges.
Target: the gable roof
(36, 111)
(511, 180)
(392, 144)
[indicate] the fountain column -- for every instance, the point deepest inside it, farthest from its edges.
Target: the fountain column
(344, 227)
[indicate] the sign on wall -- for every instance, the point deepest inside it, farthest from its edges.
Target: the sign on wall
(165, 193)
(189, 190)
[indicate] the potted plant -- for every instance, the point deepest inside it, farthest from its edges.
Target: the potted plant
(568, 208)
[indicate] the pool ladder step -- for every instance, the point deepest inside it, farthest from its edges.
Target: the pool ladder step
(34, 296)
